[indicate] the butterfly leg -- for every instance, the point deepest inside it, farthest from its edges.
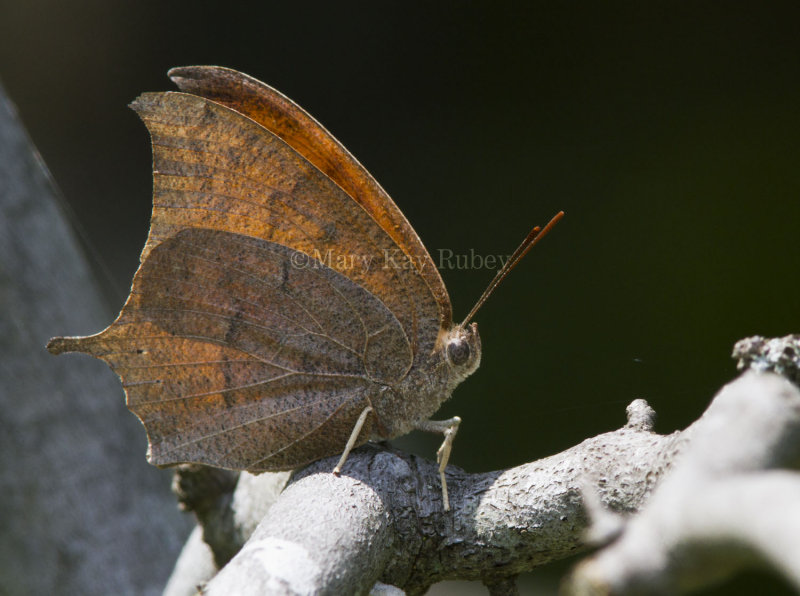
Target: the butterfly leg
(353, 438)
(449, 428)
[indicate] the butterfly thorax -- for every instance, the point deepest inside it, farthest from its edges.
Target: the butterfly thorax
(428, 384)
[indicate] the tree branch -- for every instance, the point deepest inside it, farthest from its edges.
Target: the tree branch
(382, 519)
(725, 507)
(502, 523)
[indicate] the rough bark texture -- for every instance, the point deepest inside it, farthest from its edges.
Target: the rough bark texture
(502, 523)
(676, 511)
(81, 511)
(725, 507)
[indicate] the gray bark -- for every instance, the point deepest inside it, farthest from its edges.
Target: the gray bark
(382, 519)
(732, 501)
(82, 512)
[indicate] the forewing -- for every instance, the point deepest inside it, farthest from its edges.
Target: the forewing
(284, 118)
(215, 168)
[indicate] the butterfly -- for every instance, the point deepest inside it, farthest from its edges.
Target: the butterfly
(284, 309)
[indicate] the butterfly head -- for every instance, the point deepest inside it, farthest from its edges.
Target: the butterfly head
(462, 350)
(462, 344)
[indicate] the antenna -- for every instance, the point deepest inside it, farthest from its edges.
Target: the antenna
(532, 238)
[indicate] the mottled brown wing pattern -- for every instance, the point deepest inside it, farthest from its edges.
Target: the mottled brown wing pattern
(271, 306)
(229, 350)
(284, 118)
(216, 169)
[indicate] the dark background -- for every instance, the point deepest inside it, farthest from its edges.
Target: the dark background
(668, 132)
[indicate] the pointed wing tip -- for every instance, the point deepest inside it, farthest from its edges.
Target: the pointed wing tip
(151, 103)
(184, 72)
(143, 103)
(183, 75)
(185, 78)
(62, 345)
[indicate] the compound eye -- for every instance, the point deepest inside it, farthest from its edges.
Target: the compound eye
(458, 352)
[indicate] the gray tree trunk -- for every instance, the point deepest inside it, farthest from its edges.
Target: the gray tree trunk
(82, 512)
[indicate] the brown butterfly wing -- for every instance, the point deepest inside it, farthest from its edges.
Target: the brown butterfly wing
(214, 168)
(233, 355)
(280, 115)
(186, 342)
